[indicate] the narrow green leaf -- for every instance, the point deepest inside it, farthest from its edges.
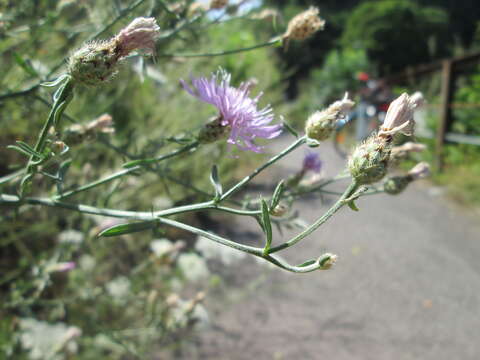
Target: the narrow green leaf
(351, 205)
(312, 143)
(277, 194)
(19, 149)
(55, 82)
(214, 179)
(25, 65)
(267, 227)
(134, 163)
(307, 263)
(29, 149)
(290, 129)
(127, 228)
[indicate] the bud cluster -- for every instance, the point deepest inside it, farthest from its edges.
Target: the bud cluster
(370, 160)
(321, 124)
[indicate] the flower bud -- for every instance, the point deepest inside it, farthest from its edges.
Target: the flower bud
(419, 171)
(369, 161)
(213, 131)
(94, 63)
(218, 4)
(321, 124)
(279, 210)
(304, 25)
(327, 260)
(395, 185)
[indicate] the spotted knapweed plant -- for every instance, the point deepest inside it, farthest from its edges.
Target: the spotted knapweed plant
(239, 121)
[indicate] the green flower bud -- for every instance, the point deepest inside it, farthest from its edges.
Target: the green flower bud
(369, 161)
(327, 260)
(321, 124)
(395, 185)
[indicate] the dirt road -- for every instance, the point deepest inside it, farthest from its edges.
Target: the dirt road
(406, 286)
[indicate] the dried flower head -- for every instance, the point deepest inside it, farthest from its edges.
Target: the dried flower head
(399, 118)
(78, 133)
(238, 112)
(266, 14)
(102, 124)
(218, 4)
(419, 171)
(96, 62)
(321, 124)
(304, 25)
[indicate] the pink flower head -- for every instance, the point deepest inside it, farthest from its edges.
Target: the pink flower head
(63, 266)
(141, 33)
(236, 108)
(312, 162)
(399, 116)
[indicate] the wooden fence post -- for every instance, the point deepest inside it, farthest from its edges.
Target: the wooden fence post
(446, 113)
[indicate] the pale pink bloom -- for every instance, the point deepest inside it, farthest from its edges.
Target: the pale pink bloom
(399, 116)
(420, 171)
(141, 33)
(63, 266)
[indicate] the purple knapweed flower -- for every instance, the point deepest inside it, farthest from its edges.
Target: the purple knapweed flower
(312, 162)
(237, 110)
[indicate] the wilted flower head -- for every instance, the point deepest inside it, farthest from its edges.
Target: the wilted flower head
(141, 33)
(218, 4)
(402, 151)
(238, 112)
(399, 116)
(321, 124)
(96, 62)
(62, 267)
(304, 25)
(419, 171)
(312, 162)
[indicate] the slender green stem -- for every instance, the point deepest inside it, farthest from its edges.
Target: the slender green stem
(62, 98)
(258, 170)
(216, 238)
(227, 52)
(296, 269)
(124, 172)
(319, 222)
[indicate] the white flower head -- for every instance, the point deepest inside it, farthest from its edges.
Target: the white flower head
(399, 118)
(419, 171)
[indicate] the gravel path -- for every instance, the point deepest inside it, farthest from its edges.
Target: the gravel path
(406, 286)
